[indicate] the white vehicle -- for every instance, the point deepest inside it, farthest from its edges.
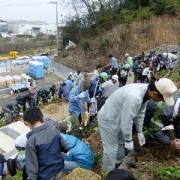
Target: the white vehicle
(23, 85)
(21, 60)
(2, 64)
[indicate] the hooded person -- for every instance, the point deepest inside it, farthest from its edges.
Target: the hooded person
(79, 155)
(115, 124)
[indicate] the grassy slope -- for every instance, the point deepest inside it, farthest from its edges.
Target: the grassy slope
(132, 38)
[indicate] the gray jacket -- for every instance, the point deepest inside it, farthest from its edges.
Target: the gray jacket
(124, 107)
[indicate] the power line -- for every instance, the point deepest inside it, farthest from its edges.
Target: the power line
(33, 4)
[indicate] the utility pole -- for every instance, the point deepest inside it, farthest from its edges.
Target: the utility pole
(57, 32)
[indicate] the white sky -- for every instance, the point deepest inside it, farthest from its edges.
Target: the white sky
(34, 10)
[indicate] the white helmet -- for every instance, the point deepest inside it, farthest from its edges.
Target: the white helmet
(126, 66)
(71, 73)
(126, 55)
(115, 77)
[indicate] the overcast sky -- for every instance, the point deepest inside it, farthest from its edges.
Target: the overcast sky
(33, 10)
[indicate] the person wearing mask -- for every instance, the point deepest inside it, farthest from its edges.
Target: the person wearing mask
(125, 107)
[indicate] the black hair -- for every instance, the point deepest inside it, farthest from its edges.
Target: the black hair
(62, 127)
(120, 174)
(152, 87)
(33, 115)
(110, 56)
(98, 66)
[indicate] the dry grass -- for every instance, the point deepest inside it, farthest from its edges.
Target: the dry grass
(132, 38)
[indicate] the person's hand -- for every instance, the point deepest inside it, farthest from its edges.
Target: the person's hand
(81, 95)
(141, 138)
(129, 145)
(175, 144)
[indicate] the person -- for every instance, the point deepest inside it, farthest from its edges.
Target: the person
(123, 108)
(18, 163)
(95, 86)
(171, 58)
(167, 115)
(2, 161)
(78, 95)
(108, 88)
(33, 93)
(23, 99)
(123, 75)
(135, 68)
(65, 89)
(80, 154)
(44, 159)
(110, 82)
(120, 174)
(77, 78)
(114, 64)
(129, 61)
(53, 90)
(70, 77)
(10, 108)
(43, 93)
(96, 72)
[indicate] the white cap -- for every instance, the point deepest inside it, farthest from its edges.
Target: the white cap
(166, 87)
(126, 54)
(21, 140)
(115, 77)
(71, 73)
(126, 66)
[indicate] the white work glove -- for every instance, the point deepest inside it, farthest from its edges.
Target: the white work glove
(21, 114)
(141, 138)
(129, 145)
(81, 95)
(65, 154)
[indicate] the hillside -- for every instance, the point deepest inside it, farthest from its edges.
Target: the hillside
(132, 38)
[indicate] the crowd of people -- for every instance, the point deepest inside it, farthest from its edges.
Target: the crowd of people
(121, 110)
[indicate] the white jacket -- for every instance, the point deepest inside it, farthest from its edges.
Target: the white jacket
(124, 107)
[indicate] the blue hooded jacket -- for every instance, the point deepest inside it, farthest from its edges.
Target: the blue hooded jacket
(79, 152)
(75, 103)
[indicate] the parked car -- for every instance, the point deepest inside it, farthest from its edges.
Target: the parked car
(44, 54)
(2, 64)
(21, 60)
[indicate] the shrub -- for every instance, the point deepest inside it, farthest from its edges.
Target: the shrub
(86, 45)
(104, 44)
(65, 54)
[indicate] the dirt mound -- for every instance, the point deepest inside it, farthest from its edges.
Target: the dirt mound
(82, 174)
(56, 111)
(94, 142)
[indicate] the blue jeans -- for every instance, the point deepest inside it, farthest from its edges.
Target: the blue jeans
(70, 165)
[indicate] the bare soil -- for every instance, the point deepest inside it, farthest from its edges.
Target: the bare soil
(56, 111)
